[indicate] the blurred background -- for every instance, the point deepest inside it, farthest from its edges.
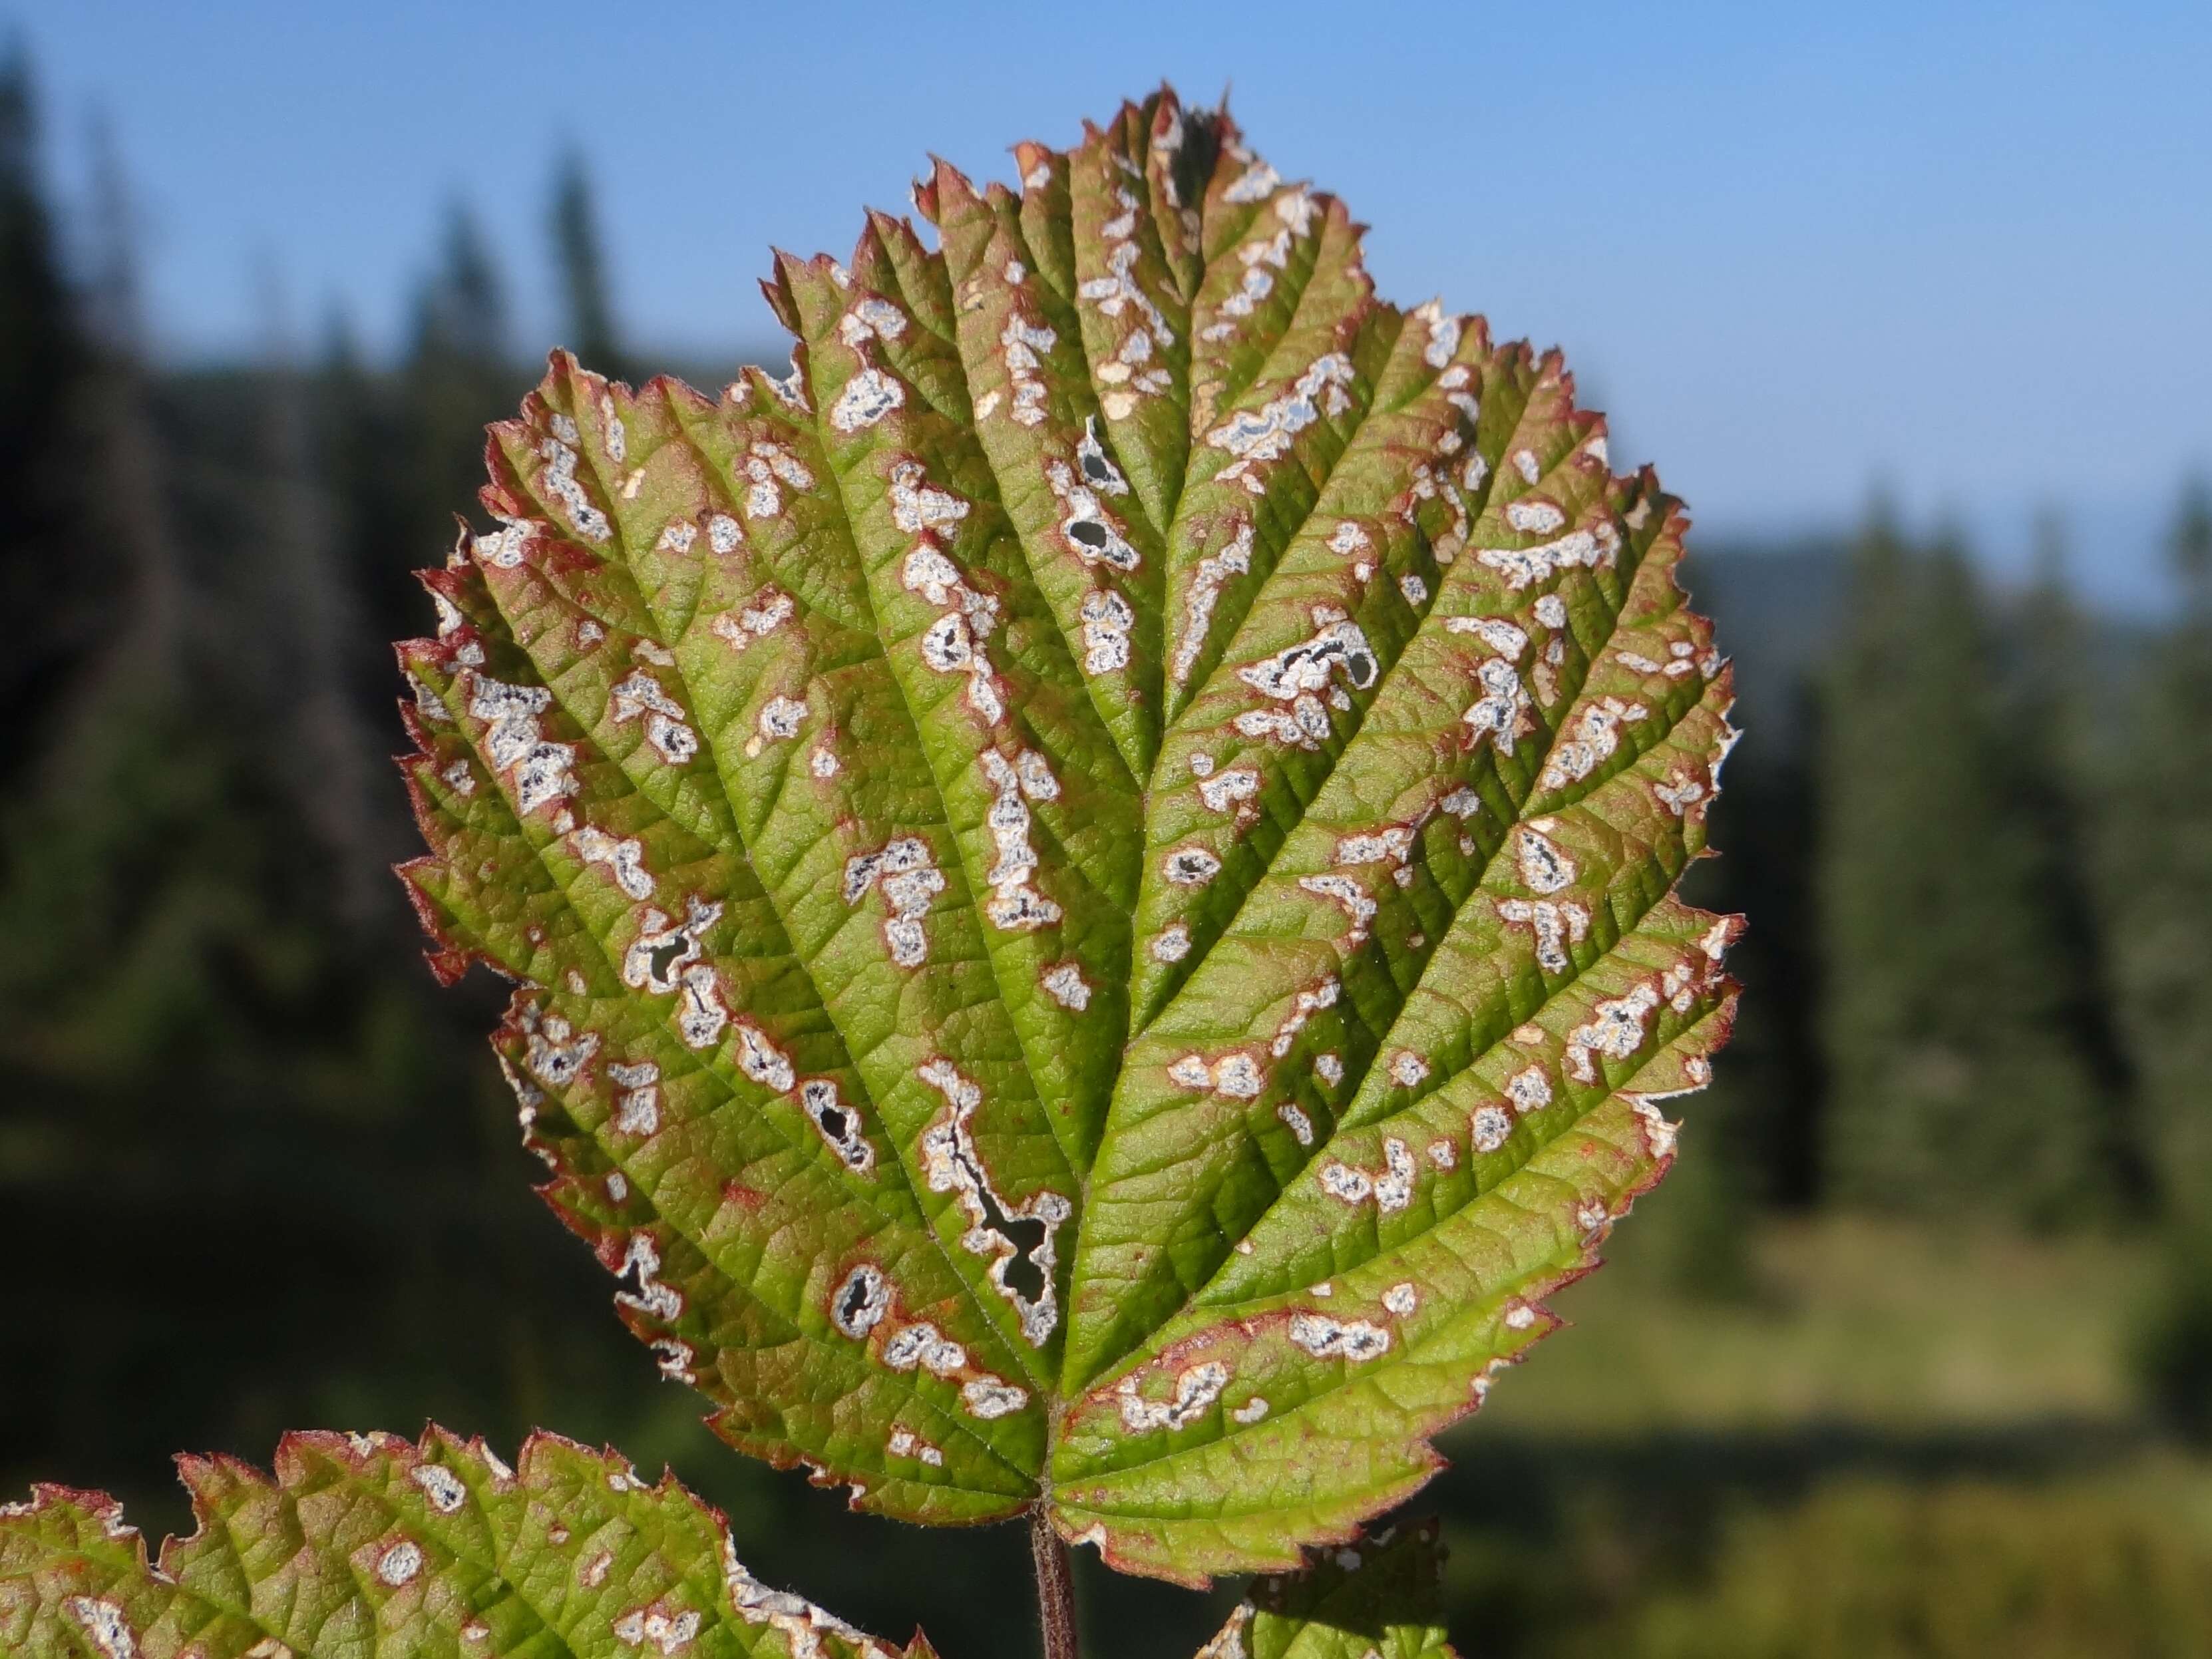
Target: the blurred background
(1912, 1354)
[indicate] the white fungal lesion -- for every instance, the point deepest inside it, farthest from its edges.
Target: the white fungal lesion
(1589, 740)
(1408, 1069)
(104, 1626)
(869, 395)
(859, 1303)
(779, 721)
(905, 1443)
(1324, 1338)
(440, 1486)
(1294, 676)
(956, 643)
(1659, 1134)
(664, 951)
(838, 1124)
(771, 609)
(1444, 331)
(1087, 529)
(1171, 944)
(1124, 375)
(1252, 1411)
(1534, 515)
(538, 771)
(768, 466)
(1682, 795)
(625, 859)
(872, 316)
(1107, 620)
(1235, 1073)
(1256, 436)
(1392, 1189)
(1529, 1090)
(503, 549)
(1020, 343)
(592, 1571)
(1489, 1127)
(667, 1633)
(1255, 184)
(1210, 575)
(1295, 1120)
(1402, 1298)
(1308, 1002)
(640, 696)
(761, 1061)
(460, 777)
(1020, 1239)
(1541, 864)
(1525, 567)
(637, 1104)
(1015, 904)
(1098, 467)
(905, 873)
(1232, 790)
(991, 1397)
(1503, 712)
(1195, 1391)
(1614, 1029)
(1064, 983)
(923, 1347)
(557, 478)
(399, 1563)
(1191, 865)
(641, 1265)
(556, 1053)
(1554, 925)
(1349, 896)
(798, 1621)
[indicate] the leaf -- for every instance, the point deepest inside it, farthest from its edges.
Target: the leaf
(1091, 875)
(364, 1544)
(1375, 1600)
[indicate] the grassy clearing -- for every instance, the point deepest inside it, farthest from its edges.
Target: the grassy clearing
(1851, 1319)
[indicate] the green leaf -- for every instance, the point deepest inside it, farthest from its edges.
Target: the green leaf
(1375, 1599)
(368, 1545)
(1090, 876)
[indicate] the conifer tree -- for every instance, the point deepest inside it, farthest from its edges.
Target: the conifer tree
(1956, 1085)
(580, 256)
(54, 578)
(2157, 868)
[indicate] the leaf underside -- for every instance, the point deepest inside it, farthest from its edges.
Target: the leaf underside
(1091, 876)
(366, 1545)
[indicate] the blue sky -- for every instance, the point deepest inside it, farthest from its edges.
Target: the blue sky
(1963, 253)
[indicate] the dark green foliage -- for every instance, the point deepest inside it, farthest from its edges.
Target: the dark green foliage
(580, 256)
(2157, 874)
(1867, 1572)
(52, 579)
(1958, 1084)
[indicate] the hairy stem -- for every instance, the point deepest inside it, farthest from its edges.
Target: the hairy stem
(1056, 1590)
